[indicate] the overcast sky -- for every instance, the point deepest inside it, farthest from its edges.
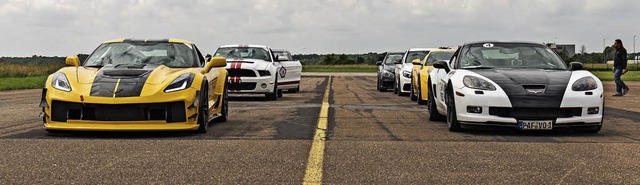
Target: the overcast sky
(69, 27)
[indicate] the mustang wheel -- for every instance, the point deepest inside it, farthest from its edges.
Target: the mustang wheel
(274, 94)
(203, 109)
(452, 119)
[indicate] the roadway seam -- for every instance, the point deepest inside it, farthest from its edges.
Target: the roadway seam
(313, 172)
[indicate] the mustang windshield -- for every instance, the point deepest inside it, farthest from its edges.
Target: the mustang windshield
(169, 54)
(510, 55)
(243, 53)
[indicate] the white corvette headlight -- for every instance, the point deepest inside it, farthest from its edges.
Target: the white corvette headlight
(584, 84)
(478, 83)
(60, 82)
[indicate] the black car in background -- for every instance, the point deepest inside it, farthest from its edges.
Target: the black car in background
(386, 70)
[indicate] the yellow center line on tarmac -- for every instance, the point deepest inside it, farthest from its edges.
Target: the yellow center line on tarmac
(313, 173)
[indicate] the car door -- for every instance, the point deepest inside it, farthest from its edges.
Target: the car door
(441, 78)
(290, 70)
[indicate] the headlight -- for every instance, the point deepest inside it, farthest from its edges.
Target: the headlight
(387, 74)
(182, 82)
(584, 84)
(406, 74)
(478, 83)
(60, 82)
(264, 73)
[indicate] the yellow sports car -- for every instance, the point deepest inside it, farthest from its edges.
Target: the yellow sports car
(131, 85)
(420, 73)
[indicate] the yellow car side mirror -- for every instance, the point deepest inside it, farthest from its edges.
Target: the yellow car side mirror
(215, 62)
(416, 62)
(72, 61)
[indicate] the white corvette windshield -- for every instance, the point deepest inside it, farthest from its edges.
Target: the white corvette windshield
(510, 55)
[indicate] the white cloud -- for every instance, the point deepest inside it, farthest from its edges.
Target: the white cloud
(66, 27)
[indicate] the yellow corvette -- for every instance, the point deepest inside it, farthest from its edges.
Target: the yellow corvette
(131, 85)
(420, 73)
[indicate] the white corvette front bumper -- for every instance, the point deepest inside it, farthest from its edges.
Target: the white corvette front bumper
(577, 109)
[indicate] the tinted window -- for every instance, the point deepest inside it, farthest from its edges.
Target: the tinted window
(412, 55)
(510, 55)
(438, 56)
(393, 57)
(243, 53)
(168, 54)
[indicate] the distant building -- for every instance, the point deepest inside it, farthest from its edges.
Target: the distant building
(567, 49)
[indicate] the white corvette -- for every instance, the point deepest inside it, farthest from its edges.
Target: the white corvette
(514, 84)
(254, 69)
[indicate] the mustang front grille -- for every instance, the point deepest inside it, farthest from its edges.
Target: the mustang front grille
(242, 86)
(170, 112)
(241, 72)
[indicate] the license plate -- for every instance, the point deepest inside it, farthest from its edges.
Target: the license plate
(535, 125)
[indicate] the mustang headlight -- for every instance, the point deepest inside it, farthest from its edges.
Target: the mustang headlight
(406, 74)
(584, 84)
(478, 83)
(182, 82)
(60, 82)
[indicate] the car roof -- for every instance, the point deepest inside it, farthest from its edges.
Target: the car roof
(170, 40)
(279, 50)
(244, 46)
(422, 49)
(503, 42)
(442, 50)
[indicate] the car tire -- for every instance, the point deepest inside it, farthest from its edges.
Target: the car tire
(378, 86)
(452, 119)
(203, 110)
(420, 100)
(412, 94)
(399, 89)
(395, 87)
(273, 95)
(434, 115)
(280, 93)
(224, 111)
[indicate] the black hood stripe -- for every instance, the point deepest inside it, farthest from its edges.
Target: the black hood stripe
(515, 82)
(129, 82)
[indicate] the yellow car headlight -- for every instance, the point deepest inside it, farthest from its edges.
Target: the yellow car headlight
(182, 82)
(60, 82)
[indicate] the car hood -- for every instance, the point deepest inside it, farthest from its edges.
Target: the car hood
(248, 64)
(130, 79)
(530, 87)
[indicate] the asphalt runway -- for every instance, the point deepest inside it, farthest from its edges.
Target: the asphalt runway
(372, 138)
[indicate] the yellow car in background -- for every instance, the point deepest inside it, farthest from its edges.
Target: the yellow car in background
(420, 73)
(132, 85)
